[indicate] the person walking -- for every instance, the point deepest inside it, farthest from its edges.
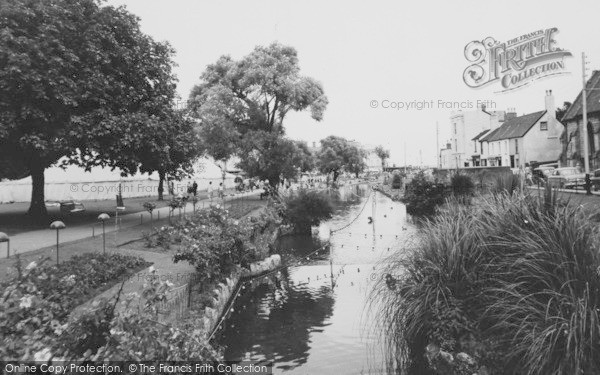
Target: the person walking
(221, 191)
(209, 190)
(195, 189)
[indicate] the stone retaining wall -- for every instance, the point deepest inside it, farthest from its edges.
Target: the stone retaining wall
(224, 291)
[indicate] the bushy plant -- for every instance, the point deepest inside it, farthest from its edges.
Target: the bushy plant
(396, 181)
(306, 208)
(215, 243)
(462, 185)
(423, 196)
(513, 283)
(162, 238)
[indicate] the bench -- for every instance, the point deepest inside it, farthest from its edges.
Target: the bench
(67, 207)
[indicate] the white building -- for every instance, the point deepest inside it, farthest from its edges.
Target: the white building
(522, 140)
(464, 127)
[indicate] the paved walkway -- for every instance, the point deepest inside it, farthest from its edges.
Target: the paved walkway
(41, 238)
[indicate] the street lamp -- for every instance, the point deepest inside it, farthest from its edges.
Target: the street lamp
(103, 217)
(58, 225)
(4, 238)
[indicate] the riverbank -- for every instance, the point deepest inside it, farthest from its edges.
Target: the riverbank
(519, 251)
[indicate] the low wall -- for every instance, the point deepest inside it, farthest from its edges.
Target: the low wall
(20, 191)
(480, 175)
(224, 292)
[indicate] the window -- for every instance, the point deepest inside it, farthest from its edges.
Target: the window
(516, 146)
(454, 128)
(475, 144)
(544, 125)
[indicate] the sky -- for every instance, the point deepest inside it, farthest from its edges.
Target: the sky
(368, 53)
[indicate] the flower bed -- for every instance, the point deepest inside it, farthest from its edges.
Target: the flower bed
(36, 303)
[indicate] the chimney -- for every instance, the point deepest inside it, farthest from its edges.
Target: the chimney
(550, 107)
(494, 121)
(448, 146)
(510, 114)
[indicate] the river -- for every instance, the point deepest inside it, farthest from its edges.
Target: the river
(315, 318)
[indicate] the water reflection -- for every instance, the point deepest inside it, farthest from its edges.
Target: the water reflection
(275, 320)
(312, 318)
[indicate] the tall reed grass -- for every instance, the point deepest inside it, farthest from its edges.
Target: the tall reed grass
(513, 281)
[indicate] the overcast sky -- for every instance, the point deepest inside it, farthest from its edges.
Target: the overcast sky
(376, 50)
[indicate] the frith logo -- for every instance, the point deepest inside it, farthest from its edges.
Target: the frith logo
(514, 63)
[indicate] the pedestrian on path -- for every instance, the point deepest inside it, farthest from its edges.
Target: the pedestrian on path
(210, 191)
(221, 191)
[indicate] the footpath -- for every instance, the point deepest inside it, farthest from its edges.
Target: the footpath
(77, 240)
(35, 239)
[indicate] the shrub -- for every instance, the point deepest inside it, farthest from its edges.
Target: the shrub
(215, 243)
(513, 283)
(423, 196)
(396, 181)
(462, 185)
(305, 209)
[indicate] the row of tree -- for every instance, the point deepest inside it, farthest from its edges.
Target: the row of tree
(81, 84)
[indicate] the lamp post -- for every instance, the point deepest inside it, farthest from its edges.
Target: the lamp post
(4, 238)
(103, 217)
(57, 225)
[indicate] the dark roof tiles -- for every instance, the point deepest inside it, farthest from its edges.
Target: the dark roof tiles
(515, 127)
(592, 99)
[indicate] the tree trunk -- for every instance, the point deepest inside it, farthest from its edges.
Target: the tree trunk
(335, 175)
(161, 186)
(37, 208)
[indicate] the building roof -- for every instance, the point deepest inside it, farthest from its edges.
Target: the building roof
(515, 127)
(592, 99)
(480, 135)
(486, 137)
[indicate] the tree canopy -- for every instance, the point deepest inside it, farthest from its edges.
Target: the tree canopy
(382, 154)
(77, 79)
(242, 104)
(337, 154)
(272, 156)
(259, 90)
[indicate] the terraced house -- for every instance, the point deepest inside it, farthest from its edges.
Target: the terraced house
(572, 138)
(523, 140)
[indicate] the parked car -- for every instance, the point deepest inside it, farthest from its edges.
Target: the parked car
(540, 174)
(595, 180)
(567, 177)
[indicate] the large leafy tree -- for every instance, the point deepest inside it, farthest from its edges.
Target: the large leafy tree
(240, 100)
(337, 154)
(382, 154)
(355, 160)
(71, 74)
